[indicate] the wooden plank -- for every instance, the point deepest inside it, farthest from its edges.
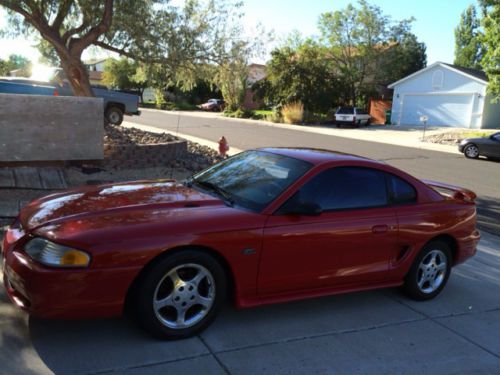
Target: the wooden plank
(52, 178)
(23, 203)
(27, 178)
(9, 208)
(7, 178)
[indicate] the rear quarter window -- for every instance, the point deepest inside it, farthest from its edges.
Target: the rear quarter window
(401, 192)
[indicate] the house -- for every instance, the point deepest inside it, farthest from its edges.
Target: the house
(448, 95)
(95, 68)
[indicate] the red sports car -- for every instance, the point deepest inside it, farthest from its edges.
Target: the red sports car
(265, 226)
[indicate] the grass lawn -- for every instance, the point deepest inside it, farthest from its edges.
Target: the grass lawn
(263, 112)
(477, 133)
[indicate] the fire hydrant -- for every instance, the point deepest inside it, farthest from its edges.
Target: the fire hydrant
(223, 147)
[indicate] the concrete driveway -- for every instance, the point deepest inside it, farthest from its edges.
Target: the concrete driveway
(377, 332)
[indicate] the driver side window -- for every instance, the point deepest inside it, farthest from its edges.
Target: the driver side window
(344, 188)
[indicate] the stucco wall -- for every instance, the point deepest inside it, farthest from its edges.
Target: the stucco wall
(453, 83)
(43, 128)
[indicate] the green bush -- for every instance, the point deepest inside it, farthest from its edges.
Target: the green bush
(275, 117)
(239, 113)
(184, 106)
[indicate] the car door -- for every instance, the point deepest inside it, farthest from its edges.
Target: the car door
(491, 147)
(350, 242)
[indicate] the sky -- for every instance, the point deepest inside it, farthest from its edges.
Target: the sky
(435, 21)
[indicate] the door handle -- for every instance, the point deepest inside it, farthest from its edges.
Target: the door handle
(379, 229)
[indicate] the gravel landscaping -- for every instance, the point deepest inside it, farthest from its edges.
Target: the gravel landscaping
(454, 137)
(197, 157)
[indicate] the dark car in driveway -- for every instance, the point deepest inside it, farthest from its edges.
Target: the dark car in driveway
(472, 148)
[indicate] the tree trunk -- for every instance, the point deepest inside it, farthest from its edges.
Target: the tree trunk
(77, 75)
(141, 94)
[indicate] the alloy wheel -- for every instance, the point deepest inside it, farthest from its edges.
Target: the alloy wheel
(472, 151)
(431, 271)
(184, 296)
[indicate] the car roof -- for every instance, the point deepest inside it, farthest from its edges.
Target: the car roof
(316, 155)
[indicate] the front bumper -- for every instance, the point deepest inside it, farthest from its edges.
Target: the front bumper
(61, 293)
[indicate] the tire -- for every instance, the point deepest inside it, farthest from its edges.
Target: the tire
(114, 115)
(190, 283)
(471, 151)
(429, 272)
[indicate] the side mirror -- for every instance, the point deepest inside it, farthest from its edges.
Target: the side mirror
(304, 209)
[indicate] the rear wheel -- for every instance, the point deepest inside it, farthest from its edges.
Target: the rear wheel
(471, 151)
(114, 115)
(180, 295)
(429, 273)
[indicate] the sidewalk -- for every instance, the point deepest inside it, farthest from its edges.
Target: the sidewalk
(388, 134)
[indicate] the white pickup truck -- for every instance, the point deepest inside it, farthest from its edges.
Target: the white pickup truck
(351, 116)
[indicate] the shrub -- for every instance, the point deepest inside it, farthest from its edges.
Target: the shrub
(293, 113)
(239, 113)
(274, 117)
(185, 106)
(160, 99)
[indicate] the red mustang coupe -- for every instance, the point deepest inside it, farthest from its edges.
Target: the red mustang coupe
(265, 226)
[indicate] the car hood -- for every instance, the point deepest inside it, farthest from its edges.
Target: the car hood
(123, 198)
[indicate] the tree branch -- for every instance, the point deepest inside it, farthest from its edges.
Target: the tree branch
(96, 31)
(61, 14)
(121, 51)
(75, 31)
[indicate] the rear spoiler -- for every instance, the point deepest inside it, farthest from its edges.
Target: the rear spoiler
(456, 192)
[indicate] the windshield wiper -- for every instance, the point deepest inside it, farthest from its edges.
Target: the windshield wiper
(216, 189)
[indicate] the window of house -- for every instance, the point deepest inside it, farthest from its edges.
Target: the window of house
(437, 79)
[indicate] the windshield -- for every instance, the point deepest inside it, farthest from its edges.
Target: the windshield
(252, 179)
(345, 111)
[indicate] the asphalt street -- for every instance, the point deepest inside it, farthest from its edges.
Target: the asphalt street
(481, 176)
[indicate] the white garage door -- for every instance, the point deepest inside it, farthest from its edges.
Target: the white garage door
(441, 110)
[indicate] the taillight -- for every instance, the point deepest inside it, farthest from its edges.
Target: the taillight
(55, 93)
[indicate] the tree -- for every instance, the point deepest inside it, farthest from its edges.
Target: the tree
(150, 31)
(404, 54)
(124, 74)
(358, 39)
(300, 74)
(230, 78)
(15, 62)
(355, 38)
(491, 44)
(468, 51)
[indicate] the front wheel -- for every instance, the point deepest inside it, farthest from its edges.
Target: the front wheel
(471, 151)
(114, 115)
(180, 295)
(429, 273)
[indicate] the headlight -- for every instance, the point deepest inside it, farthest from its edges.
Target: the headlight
(463, 141)
(52, 254)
